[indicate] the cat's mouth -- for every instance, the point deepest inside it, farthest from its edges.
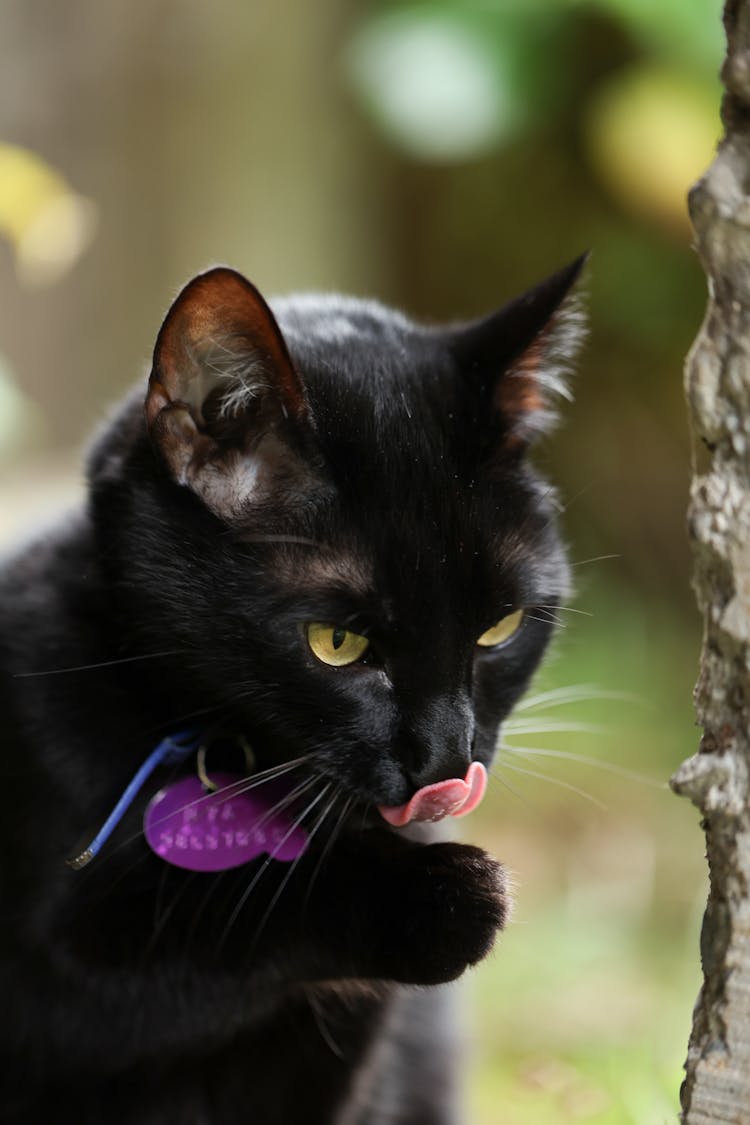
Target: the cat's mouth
(453, 797)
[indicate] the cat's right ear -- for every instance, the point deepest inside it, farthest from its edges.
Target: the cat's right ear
(225, 407)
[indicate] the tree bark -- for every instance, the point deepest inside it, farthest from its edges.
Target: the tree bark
(717, 778)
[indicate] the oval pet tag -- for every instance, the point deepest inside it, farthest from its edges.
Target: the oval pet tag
(200, 831)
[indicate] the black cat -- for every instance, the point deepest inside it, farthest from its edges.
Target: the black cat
(322, 540)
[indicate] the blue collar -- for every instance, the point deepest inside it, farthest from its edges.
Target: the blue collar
(171, 751)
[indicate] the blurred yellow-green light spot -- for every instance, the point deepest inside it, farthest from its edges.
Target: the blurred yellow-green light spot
(650, 134)
(48, 224)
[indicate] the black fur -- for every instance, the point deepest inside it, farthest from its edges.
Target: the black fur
(357, 469)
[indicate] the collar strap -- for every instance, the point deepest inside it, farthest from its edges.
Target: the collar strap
(171, 751)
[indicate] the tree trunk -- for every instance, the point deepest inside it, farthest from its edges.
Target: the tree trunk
(717, 1083)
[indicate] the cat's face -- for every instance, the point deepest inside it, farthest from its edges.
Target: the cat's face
(349, 548)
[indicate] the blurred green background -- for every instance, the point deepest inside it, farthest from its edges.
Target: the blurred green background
(440, 156)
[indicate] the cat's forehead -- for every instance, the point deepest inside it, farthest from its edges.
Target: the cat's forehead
(383, 392)
(413, 512)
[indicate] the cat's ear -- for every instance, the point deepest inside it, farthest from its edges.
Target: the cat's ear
(225, 406)
(516, 359)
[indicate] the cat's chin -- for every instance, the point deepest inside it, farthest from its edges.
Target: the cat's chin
(452, 797)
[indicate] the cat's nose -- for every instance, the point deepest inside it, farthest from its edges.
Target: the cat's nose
(440, 739)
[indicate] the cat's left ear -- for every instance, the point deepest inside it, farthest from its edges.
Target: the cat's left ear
(516, 359)
(225, 406)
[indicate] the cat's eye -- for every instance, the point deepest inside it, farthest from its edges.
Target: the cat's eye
(505, 628)
(335, 645)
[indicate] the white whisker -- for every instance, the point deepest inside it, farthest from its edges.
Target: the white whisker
(544, 620)
(93, 667)
(596, 558)
(550, 726)
(564, 507)
(161, 917)
(574, 693)
(506, 785)
(555, 781)
(320, 1023)
(583, 759)
(565, 609)
(264, 866)
(293, 866)
(350, 802)
(235, 788)
(280, 805)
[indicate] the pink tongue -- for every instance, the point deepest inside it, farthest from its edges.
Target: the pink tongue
(445, 798)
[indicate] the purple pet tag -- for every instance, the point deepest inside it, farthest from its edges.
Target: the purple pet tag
(202, 831)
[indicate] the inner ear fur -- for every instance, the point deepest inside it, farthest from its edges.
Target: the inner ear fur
(225, 406)
(517, 358)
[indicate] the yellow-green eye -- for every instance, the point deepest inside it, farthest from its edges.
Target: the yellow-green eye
(335, 645)
(503, 631)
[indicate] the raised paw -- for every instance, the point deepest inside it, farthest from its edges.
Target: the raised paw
(450, 901)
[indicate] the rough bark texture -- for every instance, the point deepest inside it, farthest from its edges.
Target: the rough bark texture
(717, 1085)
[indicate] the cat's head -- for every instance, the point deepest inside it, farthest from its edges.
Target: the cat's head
(332, 522)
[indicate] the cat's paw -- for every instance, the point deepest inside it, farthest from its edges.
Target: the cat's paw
(455, 900)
